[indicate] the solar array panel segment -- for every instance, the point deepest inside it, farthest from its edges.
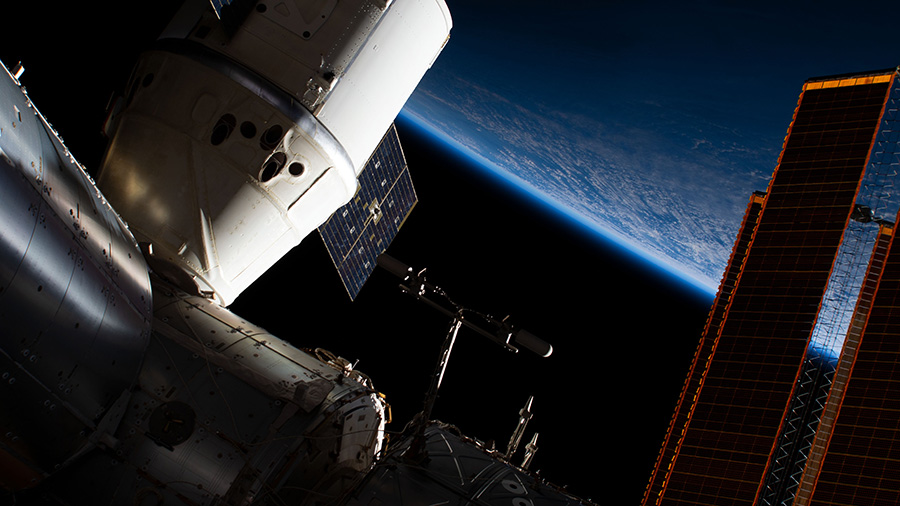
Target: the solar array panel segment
(362, 229)
(862, 462)
(746, 387)
(678, 425)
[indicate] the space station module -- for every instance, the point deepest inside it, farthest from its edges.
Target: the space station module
(124, 379)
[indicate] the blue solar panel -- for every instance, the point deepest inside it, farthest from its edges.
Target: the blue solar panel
(361, 230)
(232, 13)
(218, 5)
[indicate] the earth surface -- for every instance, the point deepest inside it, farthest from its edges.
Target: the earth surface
(647, 123)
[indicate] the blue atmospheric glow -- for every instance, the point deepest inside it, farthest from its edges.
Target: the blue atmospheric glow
(583, 223)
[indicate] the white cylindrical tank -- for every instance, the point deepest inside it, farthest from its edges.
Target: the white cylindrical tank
(231, 144)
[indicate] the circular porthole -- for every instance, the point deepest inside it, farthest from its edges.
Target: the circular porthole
(272, 167)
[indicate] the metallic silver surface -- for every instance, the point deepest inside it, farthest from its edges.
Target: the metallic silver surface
(74, 299)
(225, 413)
(458, 471)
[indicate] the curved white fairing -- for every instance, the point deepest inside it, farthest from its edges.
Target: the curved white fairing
(227, 150)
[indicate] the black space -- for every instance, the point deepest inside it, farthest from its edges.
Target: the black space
(623, 338)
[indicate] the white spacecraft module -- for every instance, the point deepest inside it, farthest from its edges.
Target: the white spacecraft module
(237, 137)
(124, 379)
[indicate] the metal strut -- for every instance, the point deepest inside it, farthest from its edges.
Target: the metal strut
(498, 331)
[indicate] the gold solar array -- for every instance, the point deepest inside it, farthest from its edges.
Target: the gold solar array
(848, 355)
(862, 462)
(736, 397)
(704, 351)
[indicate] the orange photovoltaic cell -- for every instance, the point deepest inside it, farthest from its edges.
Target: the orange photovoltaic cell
(862, 462)
(726, 426)
(704, 351)
(853, 81)
(848, 356)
